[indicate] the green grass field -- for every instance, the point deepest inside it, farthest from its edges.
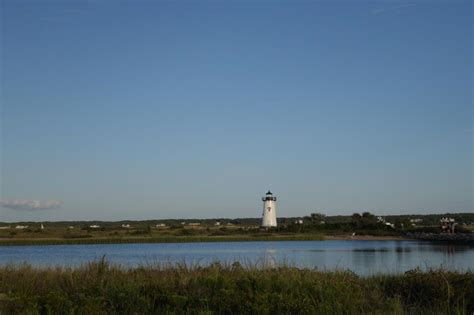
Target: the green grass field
(99, 288)
(113, 233)
(52, 233)
(160, 239)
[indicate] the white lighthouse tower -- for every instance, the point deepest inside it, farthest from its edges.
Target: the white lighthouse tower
(269, 210)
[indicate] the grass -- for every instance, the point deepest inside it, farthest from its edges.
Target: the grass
(159, 239)
(101, 288)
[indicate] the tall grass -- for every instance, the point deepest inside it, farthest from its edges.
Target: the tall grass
(100, 288)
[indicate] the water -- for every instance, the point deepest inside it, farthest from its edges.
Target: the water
(362, 257)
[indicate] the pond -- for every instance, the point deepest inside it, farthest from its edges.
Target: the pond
(362, 257)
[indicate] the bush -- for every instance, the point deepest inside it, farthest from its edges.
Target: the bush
(140, 232)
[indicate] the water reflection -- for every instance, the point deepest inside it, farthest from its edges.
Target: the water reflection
(400, 249)
(270, 261)
(447, 248)
(365, 259)
(371, 250)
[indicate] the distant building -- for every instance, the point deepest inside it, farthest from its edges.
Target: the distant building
(299, 221)
(217, 223)
(447, 225)
(383, 221)
(160, 225)
(21, 227)
(390, 225)
(94, 226)
(126, 226)
(5, 227)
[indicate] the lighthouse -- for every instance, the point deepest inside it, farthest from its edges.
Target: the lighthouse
(269, 210)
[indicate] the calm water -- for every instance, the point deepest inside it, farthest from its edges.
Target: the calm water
(362, 257)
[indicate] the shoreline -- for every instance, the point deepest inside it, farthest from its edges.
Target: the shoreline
(366, 238)
(194, 239)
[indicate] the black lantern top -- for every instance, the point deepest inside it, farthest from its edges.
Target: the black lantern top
(269, 196)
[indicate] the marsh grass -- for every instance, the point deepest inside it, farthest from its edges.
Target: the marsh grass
(88, 239)
(100, 288)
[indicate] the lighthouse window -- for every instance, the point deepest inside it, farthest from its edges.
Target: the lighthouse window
(269, 208)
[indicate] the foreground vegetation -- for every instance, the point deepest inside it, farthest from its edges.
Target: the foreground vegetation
(100, 288)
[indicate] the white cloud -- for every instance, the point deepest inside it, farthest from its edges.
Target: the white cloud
(25, 204)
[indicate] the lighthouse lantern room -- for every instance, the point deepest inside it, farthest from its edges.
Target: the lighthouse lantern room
(269, 210)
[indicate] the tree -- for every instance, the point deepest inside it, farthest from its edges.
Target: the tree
(317, 218)
(365, 220)
(356, 219)
(367, 215)
(368, 219)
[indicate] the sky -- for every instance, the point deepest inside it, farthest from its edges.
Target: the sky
(114, 110)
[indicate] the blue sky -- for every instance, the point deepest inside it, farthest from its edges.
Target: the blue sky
(193, 109)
